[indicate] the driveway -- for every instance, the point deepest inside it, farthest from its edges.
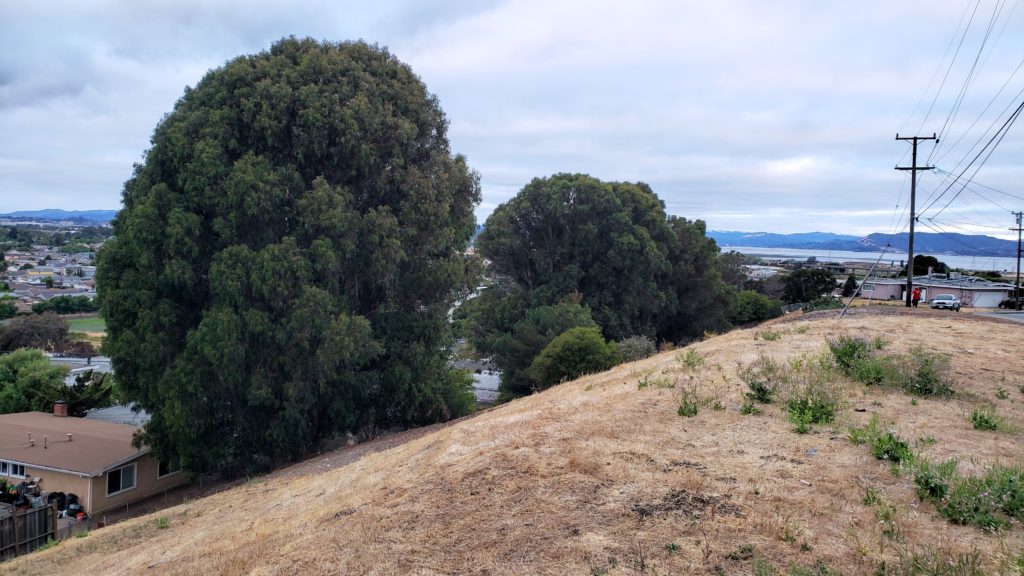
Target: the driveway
(1005, 315)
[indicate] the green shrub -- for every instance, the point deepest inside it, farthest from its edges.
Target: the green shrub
(871, 497)
(933, 480)
(986, 418)
(635, 348)
(918, 372)
(751, 306)
(806, 411)
(884, 444)
(688, 408)
(891, 447)
(691, 359)
(571, 354)
(824, 303)
(928, 374)
(763, 377)
(767, 335)
(877, 371)
(987, 502)
(848, 352)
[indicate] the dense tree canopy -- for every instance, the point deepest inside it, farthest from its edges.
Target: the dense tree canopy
(571, 354)
(29, 382)
(924, 263)
(65, 305)
(286, 257)
(46, 331)
(808, 284)
(751, 306)
(635, 269)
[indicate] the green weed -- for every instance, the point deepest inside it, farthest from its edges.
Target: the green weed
(763, 377)
(744, 552)
(50, 543)
(767, 335)
(807, 411)
(884, 444)
(986, 418)
(871, 497)
(691, 359)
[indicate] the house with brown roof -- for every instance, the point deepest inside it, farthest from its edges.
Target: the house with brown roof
(92, 459)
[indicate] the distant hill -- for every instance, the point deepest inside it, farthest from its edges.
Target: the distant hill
(924, 242)
(804, 240)
(98, 216)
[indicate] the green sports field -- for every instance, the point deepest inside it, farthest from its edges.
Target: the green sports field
(90, 324)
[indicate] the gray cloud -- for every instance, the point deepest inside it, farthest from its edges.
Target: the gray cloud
(775, 116)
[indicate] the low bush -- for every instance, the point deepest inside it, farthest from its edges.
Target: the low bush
(635, 348)
(572, 354)
(691, 359)
(763, 377)
(751, 306)
(884, 444)
(848, 352)
(824, 303)
(986, 418)
(933, 480)
(918, 372)
(806, 411)
(928, 374)
(987, 502)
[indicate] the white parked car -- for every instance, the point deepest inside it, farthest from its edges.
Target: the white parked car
(947, 301)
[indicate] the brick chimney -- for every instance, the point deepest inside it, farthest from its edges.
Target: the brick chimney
(60, 408)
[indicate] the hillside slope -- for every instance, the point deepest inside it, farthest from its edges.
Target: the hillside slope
(600, 476)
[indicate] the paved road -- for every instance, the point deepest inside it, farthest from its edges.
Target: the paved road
(1005, 315)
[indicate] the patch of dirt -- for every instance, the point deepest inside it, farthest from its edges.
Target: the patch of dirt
(687, 504)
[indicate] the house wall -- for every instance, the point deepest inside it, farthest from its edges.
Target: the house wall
(51, 481)
(146, 485)
(884, 291)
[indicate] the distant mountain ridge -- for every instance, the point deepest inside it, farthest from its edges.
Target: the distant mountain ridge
(924, 242)
(98, 216)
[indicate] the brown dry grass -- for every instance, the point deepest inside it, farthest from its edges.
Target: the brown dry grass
(597, 476)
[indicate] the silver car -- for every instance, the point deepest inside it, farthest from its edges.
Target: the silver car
(947, 301)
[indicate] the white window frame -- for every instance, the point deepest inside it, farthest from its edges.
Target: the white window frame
(135, 479)
(8, 468)
(174, 469)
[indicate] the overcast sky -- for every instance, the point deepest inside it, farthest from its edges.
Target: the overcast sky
(751, 115)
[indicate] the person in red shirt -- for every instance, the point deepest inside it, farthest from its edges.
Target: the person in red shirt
(915, 296)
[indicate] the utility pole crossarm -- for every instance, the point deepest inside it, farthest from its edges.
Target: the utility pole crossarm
(914, 169)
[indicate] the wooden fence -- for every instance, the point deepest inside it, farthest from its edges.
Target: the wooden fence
(25, 531)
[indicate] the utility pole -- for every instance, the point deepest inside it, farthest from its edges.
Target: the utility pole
(1016, 288)
(914, 168)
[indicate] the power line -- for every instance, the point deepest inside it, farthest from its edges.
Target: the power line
(984, 111)
(970, 75)
(951, 62)
(990, 146)
(949, 235)
(943, 172)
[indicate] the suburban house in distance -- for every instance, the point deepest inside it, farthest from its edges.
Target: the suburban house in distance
(93, 459)
(971, 290)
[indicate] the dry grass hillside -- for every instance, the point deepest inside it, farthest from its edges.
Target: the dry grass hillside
(603, 476)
